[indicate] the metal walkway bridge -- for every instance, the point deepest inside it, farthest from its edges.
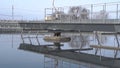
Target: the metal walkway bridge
(95, 17)
(18, 26)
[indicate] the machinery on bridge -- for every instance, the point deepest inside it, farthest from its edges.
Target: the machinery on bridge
(93, 13)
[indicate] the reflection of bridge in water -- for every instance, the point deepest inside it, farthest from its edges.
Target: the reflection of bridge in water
(72, 57)
(77, 55)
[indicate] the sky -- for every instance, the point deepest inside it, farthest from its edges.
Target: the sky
(34, 9)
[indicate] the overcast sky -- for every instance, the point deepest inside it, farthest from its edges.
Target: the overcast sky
(35, 8)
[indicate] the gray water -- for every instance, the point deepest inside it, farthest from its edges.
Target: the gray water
(12, 57)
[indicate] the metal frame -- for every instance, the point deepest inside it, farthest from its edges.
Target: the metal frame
(118, 45)
(99, 43)
(91, 12)
(29, 37)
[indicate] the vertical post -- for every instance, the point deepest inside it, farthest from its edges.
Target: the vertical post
(98, 44)
(103, 15)
(91, 12)
(57, 44)
(114, 45)
(56, 63)
(44, 62)
(53, 10)
(12, 40)
(22, 37)
(45, 13)
(29, 37)
(12, 12)
(70, 16)
(12, 20)
(117, 46)
(117, 11)
(61, 64)
(61, 15)
(82, 40)
(37, 38)
(62, 9)
(104, 12)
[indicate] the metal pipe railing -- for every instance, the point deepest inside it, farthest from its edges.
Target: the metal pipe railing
(103, 14)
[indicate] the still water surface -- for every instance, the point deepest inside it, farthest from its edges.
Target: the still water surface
(12, 57)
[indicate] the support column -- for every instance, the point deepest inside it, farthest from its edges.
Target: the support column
(37, 38)
(99, 43)
(22, 37)
(82, 40)
(118, 45)
(29, 37)
(57, 44)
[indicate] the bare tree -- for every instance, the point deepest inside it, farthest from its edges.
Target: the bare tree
(79, 12)
(78, 41)
(102, 15)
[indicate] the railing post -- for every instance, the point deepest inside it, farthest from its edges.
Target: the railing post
(29, 37)
(104, 9)
(82, 40)
(12, 40)
(117, 11)
(70, 16)
(37, 38)
(60, 14)
(99, 43)
(22, 37)
(117, 40)
(45, 12)
(91, 12)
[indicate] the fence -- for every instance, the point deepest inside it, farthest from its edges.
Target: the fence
(94, 13)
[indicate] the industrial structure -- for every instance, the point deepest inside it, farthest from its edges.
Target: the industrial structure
(98, 19)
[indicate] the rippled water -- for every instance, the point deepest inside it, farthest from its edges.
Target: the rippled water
(12, 57)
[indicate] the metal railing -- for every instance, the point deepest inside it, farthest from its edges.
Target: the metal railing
(94, 13)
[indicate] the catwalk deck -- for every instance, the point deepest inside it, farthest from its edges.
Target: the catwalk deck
(78, 57)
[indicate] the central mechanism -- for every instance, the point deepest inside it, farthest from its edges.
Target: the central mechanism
(57, 39)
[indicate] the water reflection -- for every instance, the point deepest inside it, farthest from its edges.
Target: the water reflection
(12, 57)
(79, 41)
(60, 59)
(59, 62)
(85, 39)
